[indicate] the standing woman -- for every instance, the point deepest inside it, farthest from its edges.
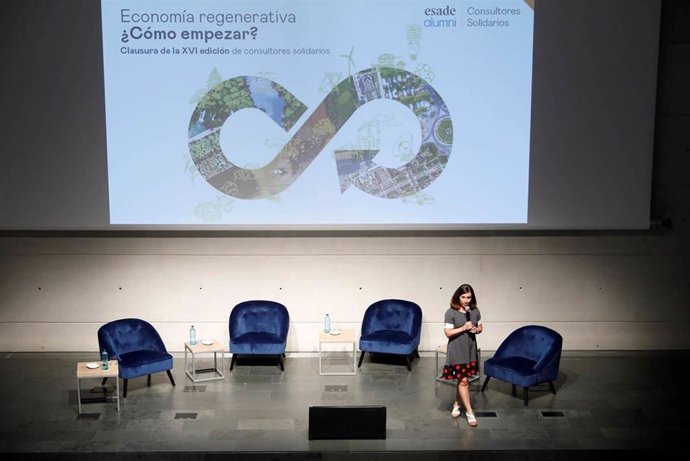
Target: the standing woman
(462, 324)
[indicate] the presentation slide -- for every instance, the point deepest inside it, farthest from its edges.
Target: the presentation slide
(317, 112)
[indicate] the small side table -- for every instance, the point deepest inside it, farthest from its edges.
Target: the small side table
(84, 372)
(345, 336)
(200, 348)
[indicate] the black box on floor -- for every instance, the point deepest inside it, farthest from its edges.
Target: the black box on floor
(347, 422)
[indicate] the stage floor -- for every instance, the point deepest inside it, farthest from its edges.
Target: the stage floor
(607, 403)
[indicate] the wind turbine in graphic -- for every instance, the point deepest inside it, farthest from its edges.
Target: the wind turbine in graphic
(350, 61)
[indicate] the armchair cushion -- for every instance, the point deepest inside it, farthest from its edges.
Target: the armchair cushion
(392, 342)
(515, 370)
(140, 363)
(258, 343)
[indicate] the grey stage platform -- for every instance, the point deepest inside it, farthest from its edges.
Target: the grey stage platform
(608, 404)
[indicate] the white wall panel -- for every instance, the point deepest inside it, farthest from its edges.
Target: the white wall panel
(628, 292)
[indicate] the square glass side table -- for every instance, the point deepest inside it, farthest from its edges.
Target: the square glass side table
(202, 347)
(84, 372)
(345, 337)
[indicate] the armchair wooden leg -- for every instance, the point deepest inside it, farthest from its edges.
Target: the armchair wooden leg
(525, 395)
(409, 361)
(148, 380)
(172, 381)
(103, 382)
(124, 389)
(486, 381)
(361, 358)
(280, 359)
(232, 361)
(553, 388)
(513, 390)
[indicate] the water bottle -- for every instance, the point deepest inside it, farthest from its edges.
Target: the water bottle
(104, 360)
(327, 324)
(192, 336)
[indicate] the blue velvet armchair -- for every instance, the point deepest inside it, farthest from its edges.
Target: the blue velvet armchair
(529, 356)
(258, 327)
(391, 326)
(138, 348)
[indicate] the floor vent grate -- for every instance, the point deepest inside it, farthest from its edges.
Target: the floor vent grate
(195, 389)
(89, 416)
(335, 387)
(185, 415)
(485, 414)
(552, 414)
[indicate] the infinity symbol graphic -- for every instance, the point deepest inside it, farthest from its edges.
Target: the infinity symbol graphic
(355, 167)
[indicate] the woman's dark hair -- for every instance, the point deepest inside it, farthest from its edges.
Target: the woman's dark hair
(462, 289)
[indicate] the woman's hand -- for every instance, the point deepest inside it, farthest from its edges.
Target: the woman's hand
(467, 326)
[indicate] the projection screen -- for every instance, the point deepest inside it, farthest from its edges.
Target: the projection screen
(340, 114)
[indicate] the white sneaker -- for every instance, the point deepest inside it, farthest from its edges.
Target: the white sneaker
(456, 411)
